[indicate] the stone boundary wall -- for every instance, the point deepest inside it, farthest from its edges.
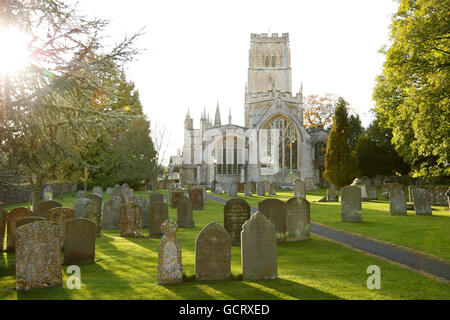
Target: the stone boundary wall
(22, 193)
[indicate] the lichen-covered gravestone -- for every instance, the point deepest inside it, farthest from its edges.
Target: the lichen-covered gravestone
(298, 224)
(38, 261)
(60, 216)
(131, 220)
(235, 213)
(351, 204)
(127, 194)
(397, 202)
(196, 196)
(273, 188)
(80, 194)
(299, 189)
(332, 194)
(274, 210)
(44, 206)
(29, 219)
(97, 199)
(185, 217)
(170, 267)
(79, 207)
(3, 213)
(79, 247)
(175, 196)
(261, 189)
(158, 213)
(143, 203)
(421, 199)
(213, 254)
(111, 213)
(98, 190)
(259, 248)
(232, 190)
(12, 217)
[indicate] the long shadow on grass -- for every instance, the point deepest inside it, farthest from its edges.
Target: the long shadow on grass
(7, 264)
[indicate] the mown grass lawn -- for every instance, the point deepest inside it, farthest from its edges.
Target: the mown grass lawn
(424, 233)
(313, 269)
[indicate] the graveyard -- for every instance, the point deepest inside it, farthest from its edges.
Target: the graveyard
(126, 268)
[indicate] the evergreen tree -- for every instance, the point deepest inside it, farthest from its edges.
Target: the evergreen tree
(355, 130)
(340, 165)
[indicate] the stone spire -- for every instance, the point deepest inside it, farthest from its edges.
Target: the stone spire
(229, 117)
(217, 122)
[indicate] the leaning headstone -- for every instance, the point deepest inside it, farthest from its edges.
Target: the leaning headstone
(170, 268)
(248, 189)
(299, 189)
(158, 213)
(235, 213)
(143, 203)
(48, 193)
(79, 247)
(44, 206)
(397, 202)
(371, 192)
(213, 254)
(60, 216)
(111, 213)
(12, 218)
(196, 196)
(332, 193)
(38, 261)
(232, 190)
(185, 217)
(273, 188)
(131, 220)
(274, 210)
(155, 196)
(259, 248)
(97, 199)
(3, 214)
(261, 188)
(298, 224)
(421, 199)
(175, 196)
(29, 219)
(351, 204)
(98, 190)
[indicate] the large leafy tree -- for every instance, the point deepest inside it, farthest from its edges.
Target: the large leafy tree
(375, 154)
(319, 110)
(58, 104)
(412, 94)
(340, 165)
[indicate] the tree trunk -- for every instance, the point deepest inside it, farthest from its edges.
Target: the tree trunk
(36, 188)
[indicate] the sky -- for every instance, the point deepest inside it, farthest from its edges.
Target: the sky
(196, 52)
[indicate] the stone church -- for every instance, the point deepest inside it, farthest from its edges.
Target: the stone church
(273, 145)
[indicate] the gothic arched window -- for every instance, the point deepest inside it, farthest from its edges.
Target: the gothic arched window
(267, 62)
(283, 129)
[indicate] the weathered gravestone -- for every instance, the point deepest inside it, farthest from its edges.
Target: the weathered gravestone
(397, 202)
(44, 206)
(158, 213)
(115, 191)
(185, 217)
(213, 254)
(357, 183)
(298, 225)
(261, 188)
(421, 199)
(12, 218)
(219, 188)
(235, 213)
(170, 268)
(79, 207)
(273, 188)
(131, 220)
(3, 214)
(274, 210)
(97, 199)
(108, 190)
(175, 196)
(240, 187)
(259, 248)
(127, 194)
(332, 193)
(248, 189)
(79, 247)
(38, 261)
(196, 196)
(299, 189)
(213, 186)
(98, 190)
(60, 216)
(143, 203)
(232, 190)
(351, 204)
(48, 193)
(111, 213)
(80, 194)
(155, 196)
(371, 192)
(29, 219)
